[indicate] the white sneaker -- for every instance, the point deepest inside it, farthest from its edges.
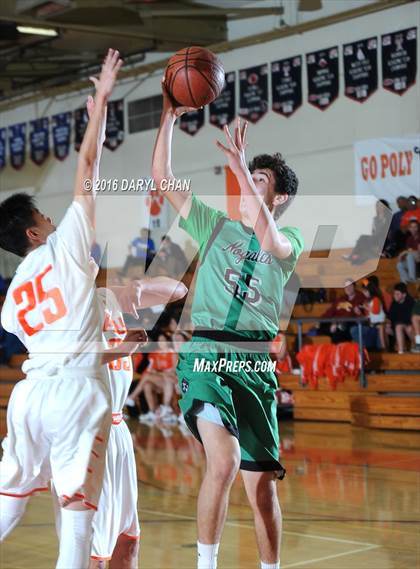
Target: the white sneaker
(149, 418)
(166, 415)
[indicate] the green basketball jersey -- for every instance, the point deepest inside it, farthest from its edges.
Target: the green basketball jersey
(239, 286)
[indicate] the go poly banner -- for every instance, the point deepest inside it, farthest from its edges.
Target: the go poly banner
(388, 167)
(39, 140)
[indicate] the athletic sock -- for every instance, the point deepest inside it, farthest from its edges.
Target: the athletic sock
(417, 340)
(11, 511)
(75, 539)
(207, 555)
(270, 565)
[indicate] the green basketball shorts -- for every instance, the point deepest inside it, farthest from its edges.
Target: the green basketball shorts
(242, 386)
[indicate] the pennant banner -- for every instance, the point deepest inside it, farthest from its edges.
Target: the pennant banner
(388, 167)
(322, 68)
(39, 140)
(80, 123)
(286, 85)
(361, 69)
(61, 134)
(192, 122)
(253, 92)
(222, 110)
(3, 132)
(17, 145)
(115, 124)
(399, 60)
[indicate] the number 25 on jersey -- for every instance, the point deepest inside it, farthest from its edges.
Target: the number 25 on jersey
(31, 294)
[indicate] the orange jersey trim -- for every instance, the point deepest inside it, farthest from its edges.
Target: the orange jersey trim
(24, 495)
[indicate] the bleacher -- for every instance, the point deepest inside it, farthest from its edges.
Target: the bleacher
(391, 399)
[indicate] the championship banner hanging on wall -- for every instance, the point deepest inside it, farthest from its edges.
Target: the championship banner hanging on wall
(192, 122)
(115, 124)
(399, 60)
(80, 123)
(286, 85)
(222, 110)
(253, 92)
(17, 145)
(360, 69)
(2, 148)
(39, 140)
(388, 167)
(322, 69)
(61, 128)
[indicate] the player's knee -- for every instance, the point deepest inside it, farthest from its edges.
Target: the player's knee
(264, 497)
(224, 468)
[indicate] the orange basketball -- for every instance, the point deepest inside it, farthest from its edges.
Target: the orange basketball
(194, 77)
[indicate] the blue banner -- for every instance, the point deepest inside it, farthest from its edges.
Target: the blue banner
(2, 148)
(39, 139)
(80, 123)
(61, 129)
(17, 145)
(115, 124)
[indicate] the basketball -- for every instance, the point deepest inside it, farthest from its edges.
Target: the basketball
(194, 77)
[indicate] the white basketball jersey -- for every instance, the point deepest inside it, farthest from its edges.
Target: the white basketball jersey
(52, 305)
(120, 371)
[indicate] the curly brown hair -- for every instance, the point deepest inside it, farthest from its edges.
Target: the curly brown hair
(286, 181)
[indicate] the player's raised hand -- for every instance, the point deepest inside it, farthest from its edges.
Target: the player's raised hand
(235, 149)
(108, 75)
(170, 105)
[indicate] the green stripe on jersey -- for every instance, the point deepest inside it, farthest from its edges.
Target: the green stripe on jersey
(239, 286)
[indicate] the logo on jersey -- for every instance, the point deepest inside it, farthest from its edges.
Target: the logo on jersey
(184, 386)
(242, 254)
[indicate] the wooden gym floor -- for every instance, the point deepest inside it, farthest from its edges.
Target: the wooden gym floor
(351, 500)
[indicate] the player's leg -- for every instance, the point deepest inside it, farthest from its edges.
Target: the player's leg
(151, 396)
(261, 491)
(399, 335)
(75, 536)
(125, 554)
(11, 512)
(222, 465)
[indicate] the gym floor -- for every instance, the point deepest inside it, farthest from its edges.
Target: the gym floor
(350, 500)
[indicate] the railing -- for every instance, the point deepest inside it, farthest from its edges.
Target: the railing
(358, 321)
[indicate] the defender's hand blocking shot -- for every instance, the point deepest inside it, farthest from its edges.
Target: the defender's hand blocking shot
(58, 419)
(244, 266)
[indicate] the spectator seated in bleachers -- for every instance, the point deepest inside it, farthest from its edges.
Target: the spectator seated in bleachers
(413, 212)
(142, 250)
(399, 324)
(370, 246)
(351, 304)
(396, 237)
(158, 382)
(415, 320)
(409, 259)
(373, 333)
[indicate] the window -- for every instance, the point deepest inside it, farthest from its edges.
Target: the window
(144, 114)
